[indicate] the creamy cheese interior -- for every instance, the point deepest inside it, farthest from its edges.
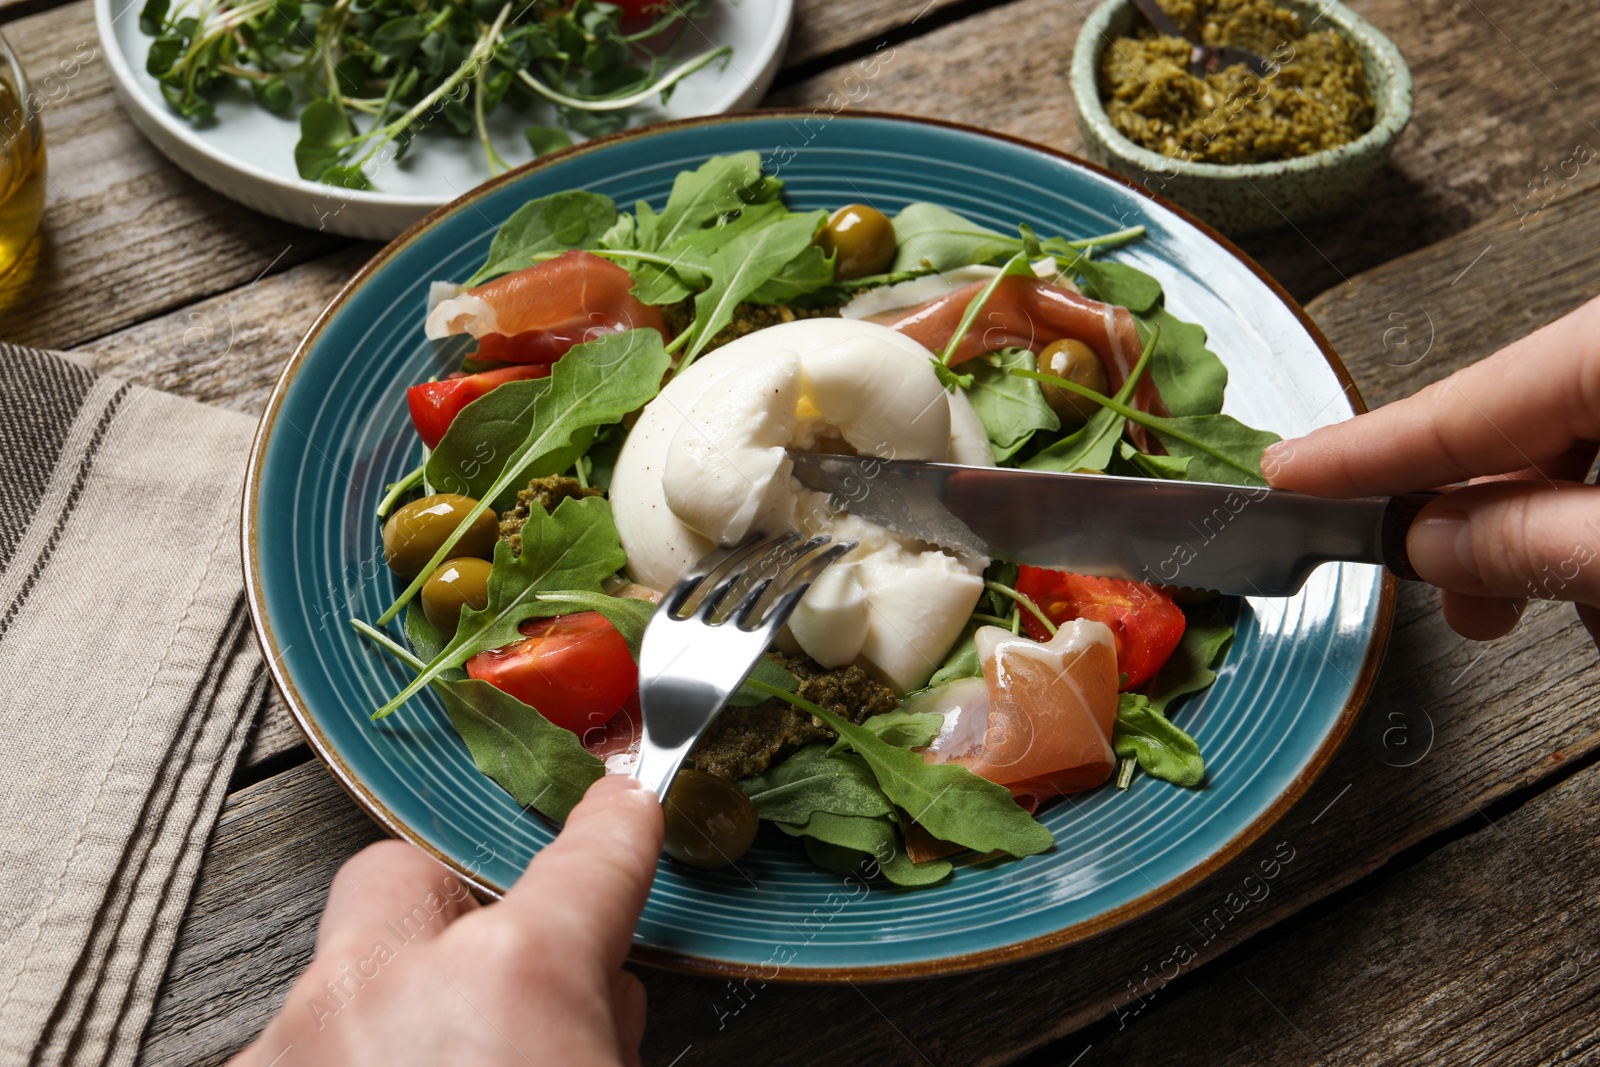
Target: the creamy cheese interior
(706, 465)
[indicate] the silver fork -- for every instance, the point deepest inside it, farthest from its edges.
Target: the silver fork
(707, 634)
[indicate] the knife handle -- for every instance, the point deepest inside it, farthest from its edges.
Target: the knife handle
(1397, 520)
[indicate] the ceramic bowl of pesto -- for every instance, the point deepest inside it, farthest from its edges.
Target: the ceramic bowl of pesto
(1242, 198)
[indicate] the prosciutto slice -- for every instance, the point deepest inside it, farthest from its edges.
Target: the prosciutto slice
(535, 314)
(1030, 313)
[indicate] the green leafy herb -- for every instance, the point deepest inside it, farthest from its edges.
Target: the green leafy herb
(530, 433)
(1143, 733)
(1221, 448)
(883, 854)
(571, 219)
(946, 799)
(930, 236)
(573, 548)
(740, 267)
(1117, 283)
(403, 66)
(901, 728)
(1012, 409)
(963, 663)
(1189, 375)
(812, 780)
(541, 765)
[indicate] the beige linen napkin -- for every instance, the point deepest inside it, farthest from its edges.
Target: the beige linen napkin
(130, 679)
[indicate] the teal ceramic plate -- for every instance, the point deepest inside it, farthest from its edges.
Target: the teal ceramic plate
(336, 431)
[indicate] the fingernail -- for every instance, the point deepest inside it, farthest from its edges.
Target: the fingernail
(1274, 456)
(1440, 548)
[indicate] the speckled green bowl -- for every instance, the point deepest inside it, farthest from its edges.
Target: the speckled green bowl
(1250, 197)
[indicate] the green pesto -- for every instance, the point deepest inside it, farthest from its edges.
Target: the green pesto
(1316, 96)
(746, 741)
(547, 493)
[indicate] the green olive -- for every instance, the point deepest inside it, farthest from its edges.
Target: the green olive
(863, 239)
(460, 582)
(414, 533)
(710, 822)
(1076, 362)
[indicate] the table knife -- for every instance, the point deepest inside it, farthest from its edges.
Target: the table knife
(1239, 539)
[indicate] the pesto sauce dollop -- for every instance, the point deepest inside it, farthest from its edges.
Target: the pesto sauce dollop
(1315, 98)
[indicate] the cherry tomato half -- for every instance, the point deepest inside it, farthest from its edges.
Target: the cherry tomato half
(435, 405)
(576, 670)
(1146, 623)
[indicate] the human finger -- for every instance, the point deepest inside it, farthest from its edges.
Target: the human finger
(1511, 539)
(1589, 615)
(390, 890)
(592, 881)
(1481, 618)
(630, 1004)
(1520, 407)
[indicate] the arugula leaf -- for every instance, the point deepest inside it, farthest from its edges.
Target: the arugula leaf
(963, 663)
(425, 639)
(675, 271)
(812, 780)
(1219, 448)
(946, 799)
(1011, 409)
(902, 729)
(1143, 733)
(808, 272)
(846, 843)
(927, 235)
(531, 433)
(768, 671)
(700, 197)
(897, 868)
(1142, 730)
(540, 764)
(571, 219)
(1118, 283)
(741, 266)
(573, 548)
(1172, 467)
(1206, 635)
(1189, 375)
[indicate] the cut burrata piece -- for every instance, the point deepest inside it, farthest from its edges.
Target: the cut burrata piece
(1039, 721)
(706, 464)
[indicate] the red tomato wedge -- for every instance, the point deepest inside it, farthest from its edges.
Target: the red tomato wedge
(576, 669)
(1031, 313)
(535, 314)
(435, 405)
(1146, 623)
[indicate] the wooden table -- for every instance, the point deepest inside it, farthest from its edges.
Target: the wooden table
(1444, 911)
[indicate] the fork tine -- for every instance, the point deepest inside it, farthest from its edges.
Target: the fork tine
(789, 586)
(747, 566)
(714, 564)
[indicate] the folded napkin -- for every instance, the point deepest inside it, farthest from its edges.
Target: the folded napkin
(130, 680)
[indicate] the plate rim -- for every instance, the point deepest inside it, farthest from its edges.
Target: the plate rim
(799, 975)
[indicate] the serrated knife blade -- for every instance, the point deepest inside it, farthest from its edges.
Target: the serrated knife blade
(1238, 539)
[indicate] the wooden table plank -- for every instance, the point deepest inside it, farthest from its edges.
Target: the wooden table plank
(1487, 124)
(1507, 716)
(126, 235)
(1482, 954)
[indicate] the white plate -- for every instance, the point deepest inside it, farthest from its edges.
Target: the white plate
(247, 154)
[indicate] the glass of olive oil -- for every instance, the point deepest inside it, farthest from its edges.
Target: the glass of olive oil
(22, 161)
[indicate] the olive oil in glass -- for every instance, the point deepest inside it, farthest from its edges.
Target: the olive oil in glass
(22, 161)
